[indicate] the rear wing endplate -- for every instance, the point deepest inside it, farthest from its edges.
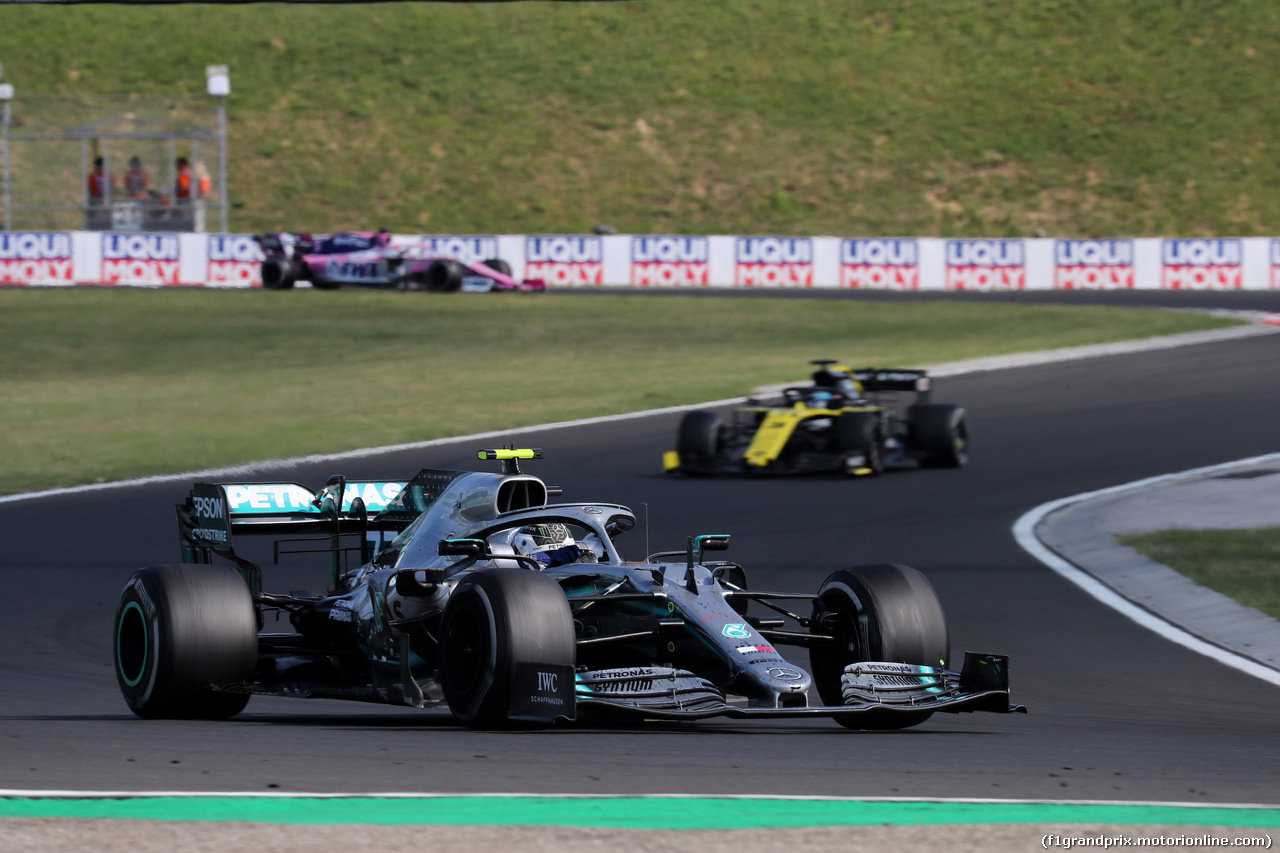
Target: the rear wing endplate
(214, 513)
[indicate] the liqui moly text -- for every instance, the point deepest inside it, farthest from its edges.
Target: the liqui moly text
(670, 261)
(35, 257)
(140, 259)
(879, 264)
(469, 250)
(564, 260)
(985, 265)
(1202, 264)
(1093, 264)
(773, 261)
(234, 261)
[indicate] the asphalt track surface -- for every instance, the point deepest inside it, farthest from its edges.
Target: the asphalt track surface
(1116, 713)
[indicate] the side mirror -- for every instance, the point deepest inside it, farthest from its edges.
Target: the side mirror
(712, 542)
(619, 524)
(473, 548)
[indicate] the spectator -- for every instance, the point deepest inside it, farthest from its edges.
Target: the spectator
(182, 184)
(204, 184)
(99, 189)
(101, 185)
(137, 183)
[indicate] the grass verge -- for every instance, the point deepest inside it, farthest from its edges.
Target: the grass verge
(1241, 564)
(876, 117)
(110, 384)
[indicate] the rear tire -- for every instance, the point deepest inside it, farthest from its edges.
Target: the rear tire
(278, 274)
(858, 433)
(498, 265)
(443, 277)
(496, 619)
(942, 435)
(179, 630)
(881, 612)
(699, 437)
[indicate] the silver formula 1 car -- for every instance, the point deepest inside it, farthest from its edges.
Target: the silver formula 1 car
(473, 592)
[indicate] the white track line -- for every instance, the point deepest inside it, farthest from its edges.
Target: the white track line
(19, 793)
(1024, 532)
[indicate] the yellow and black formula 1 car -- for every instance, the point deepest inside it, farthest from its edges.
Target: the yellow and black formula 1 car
(840, 423)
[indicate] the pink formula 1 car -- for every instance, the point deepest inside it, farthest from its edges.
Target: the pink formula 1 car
(375, 259)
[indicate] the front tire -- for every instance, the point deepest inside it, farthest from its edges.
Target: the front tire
(942, 435)
(880, 612)
(699, 437)
(858, 434)
(179, 631)
(495, 620)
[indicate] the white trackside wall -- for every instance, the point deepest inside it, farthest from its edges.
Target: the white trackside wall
(41, 258)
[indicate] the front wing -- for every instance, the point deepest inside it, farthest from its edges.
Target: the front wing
(869, 686)
(731, 462)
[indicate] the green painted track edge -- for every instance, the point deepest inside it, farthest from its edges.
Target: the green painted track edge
(623, 812)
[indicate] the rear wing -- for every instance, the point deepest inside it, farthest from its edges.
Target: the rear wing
(214, 514)
(873, 379)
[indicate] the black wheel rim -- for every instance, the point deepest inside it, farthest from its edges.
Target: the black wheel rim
(132, 644)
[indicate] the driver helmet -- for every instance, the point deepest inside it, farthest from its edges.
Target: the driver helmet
(541, 537)
(817, 398)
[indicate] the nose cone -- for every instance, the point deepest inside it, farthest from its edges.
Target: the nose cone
(786, 679)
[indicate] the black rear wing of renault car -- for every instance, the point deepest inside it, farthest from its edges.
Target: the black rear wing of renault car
(874, 379)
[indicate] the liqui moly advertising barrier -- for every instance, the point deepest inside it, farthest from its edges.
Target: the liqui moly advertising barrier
(140, 259)
(134, 259)
(1093, 264)
(773, 261)
(879, 264)
(561, 261)
(670, 261)
(1202, 264)
(36, 258)
(986, 265)
(234, 261)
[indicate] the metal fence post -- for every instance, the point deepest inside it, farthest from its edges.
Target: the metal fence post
(218, 82)
(6, 95)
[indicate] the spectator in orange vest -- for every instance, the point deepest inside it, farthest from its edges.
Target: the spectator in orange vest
(101, 185)
(182, 185)
(137, 183)
(204, 184)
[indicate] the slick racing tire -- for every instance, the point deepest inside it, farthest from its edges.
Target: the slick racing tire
(494, 620)
(879, 612)
(941, 434)
(858, 433)
(278, 273)
(443, 277)
(180, 630)
(698, 440)
(498, 265)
